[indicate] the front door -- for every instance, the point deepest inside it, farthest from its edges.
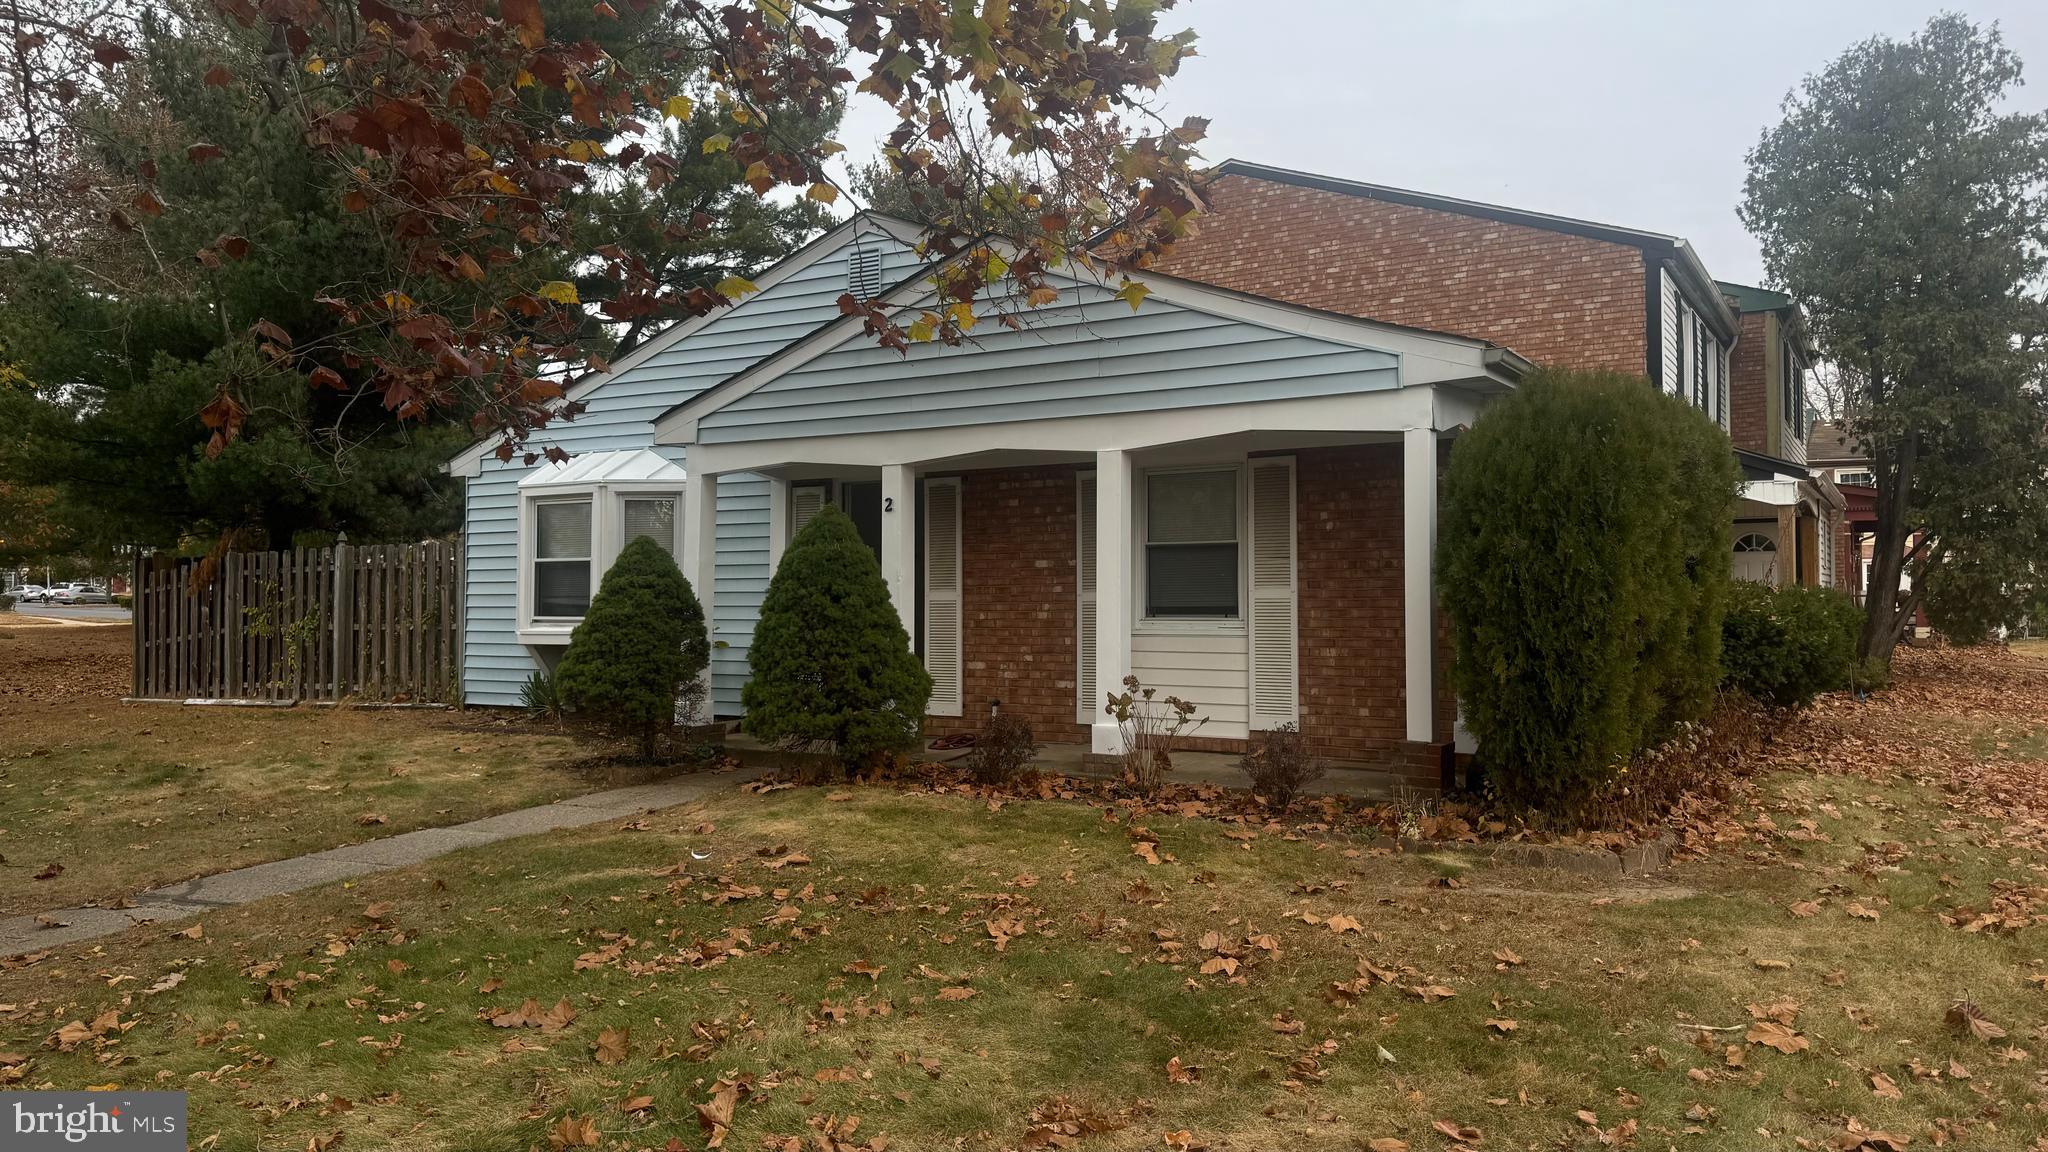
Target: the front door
(1756, 557)
(862, 500)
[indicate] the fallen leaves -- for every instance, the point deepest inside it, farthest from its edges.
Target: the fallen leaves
(1501, 1025)
(1966, 1018)
(573, 1131)
(530, 1015)
(1458, 1134)
(68, 1037)
(50, 871)
(1772, 1034)
(611, 1047)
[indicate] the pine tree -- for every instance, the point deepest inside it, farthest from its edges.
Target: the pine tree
(831, 662)
(642, 639)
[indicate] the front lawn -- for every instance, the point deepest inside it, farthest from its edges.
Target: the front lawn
(100, 799)
(923, 968)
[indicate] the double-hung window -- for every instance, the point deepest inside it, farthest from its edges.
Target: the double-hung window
(1191, 544)
(562, 555)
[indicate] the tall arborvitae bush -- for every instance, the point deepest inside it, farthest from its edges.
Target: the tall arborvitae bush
(1583, 559)
(641, 641)
(830, 662)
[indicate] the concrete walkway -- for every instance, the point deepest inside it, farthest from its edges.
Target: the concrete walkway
(28, 933)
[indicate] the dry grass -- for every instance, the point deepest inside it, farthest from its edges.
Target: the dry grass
(844, 915)
(806, 958)
(126, 796)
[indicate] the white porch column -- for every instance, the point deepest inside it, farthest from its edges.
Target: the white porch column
(899, 542)
(1418, 562)
(700, 553)
(1114, 596)
(778, 521)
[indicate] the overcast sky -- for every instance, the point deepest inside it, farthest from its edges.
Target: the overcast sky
(1628, 112)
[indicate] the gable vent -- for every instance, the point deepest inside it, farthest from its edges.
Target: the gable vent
(864, 273)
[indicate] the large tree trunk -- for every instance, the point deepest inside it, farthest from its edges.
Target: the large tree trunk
(1885, 618)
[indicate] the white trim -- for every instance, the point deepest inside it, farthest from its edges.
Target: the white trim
(1418, 563)
(778, 521)
(1272, 609)
(1425, 357)
(1087, 689)
(699, 558)
(469, 462)
(945, 659)
(1147, 624)
(1113, 540)
(607, 537)
(1077, 437)
(899, 512)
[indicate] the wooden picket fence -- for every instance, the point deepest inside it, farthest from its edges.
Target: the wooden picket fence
(322, 624)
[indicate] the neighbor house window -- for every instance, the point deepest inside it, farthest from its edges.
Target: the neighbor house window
(1191, 544)
(1867, 479)
(653, 517)
(561, 558)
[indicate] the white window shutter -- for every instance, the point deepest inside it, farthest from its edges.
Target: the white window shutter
(942, 631)
(1088, 698)
(1275, 671)
(804, 502)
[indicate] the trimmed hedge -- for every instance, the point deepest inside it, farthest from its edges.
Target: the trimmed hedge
(1583, 558)
(1784, 646)
(830, 662)
(640, 642)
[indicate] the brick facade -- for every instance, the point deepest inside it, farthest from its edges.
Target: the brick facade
(1348, 564)
(1749, 402)
(1019, 626)
(1555, 298)
(1017, 613)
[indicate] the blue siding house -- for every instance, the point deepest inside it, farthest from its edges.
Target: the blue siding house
(1229, 497)
(506, 634)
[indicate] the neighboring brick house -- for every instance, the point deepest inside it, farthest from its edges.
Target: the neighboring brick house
(1793, 526)
(1562, 292)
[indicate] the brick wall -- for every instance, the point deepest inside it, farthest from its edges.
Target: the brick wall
(1749, 404)
(1019, 627)
(1017, 612)
(1349, 563)
(1555, 298)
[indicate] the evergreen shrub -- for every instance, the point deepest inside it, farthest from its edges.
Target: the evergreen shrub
(641, 640)
(830, 662)
(1583, 559)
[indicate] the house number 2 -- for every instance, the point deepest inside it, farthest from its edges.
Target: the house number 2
(888, 503)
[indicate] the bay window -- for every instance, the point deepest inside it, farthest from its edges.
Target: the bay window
(562, 557)
(574, 519)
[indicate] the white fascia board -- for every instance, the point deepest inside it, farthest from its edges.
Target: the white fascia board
(1777, 493)
(469, 462)
(1426, 358)
(1387, 410)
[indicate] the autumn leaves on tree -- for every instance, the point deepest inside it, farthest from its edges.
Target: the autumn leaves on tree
(472, 139)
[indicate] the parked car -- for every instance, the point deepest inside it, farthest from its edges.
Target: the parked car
(31, 593)
(80, 593)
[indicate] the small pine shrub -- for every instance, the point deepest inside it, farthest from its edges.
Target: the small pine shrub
(1279, 764)
(1784, 646)
(540, 698)
(1002, 750)
(831, 664)
(641, 639)
(1583, 559)
(6, 602)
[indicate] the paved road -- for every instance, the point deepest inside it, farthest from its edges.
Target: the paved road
(96, 612)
